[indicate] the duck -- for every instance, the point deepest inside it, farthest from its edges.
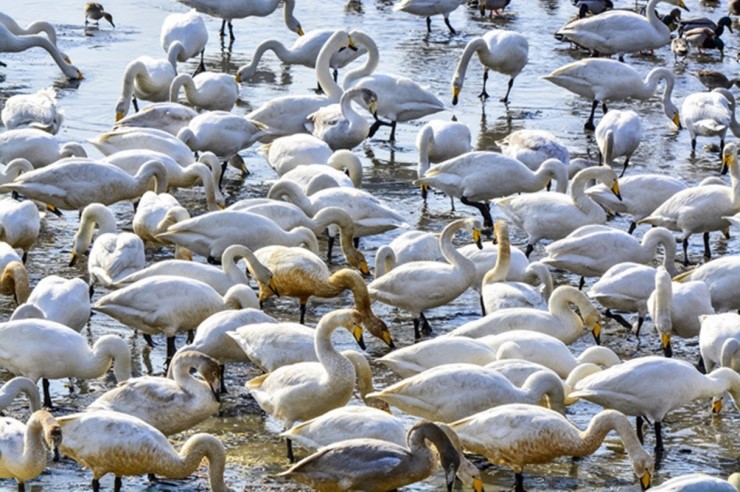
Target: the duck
(506, 52)
(555, 215)
(302, 391)
(206, 91)
(399, 98)
(650, 387)
(188, 400)
(713, 79)
(14, 279)
(339, 125)
(13, 169)
(721, 277)
(428, 9)
(31, 344)
(137, 138)
(676, 309)
(519, 434)
(438, 141)
(422, 285)
(36, 146)
(11, 43)
(619, 134)
(705, 38)
(168, 304)
(695, 481)
(19, 224)
(95, 11)
(24, 448)
(185, 32)
(534, 147)
(641, 195)
(479, 176)
(165, 116)
(146, 78)
(719, 341)
(368, 458)
(66, 301)
(700, 208)
(694, 22)
(621, 31)
(113, 255)
(17, 386)
(154, 214)
(596, 7)
(604, 80)
(74, 183)
(37, 110)
(710, 114)
(408, 247)
(454, 391)
(679, 47)
(113, 442)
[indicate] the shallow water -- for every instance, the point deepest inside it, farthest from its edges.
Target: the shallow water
(695, 440)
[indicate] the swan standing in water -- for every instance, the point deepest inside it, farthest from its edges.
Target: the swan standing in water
(19, 224)
(37, 110)
(165, 116)
(36, 146)
(10, 43)
(439, 141)
(148, 79)
(619, 134)
(23, 447)
(66, 301)
(709, 114)
(339, 125)
(206, 90)
(427, 9)
(185, 32)
(719, 341)
(505, 52)
(604, 80)
(534, 147)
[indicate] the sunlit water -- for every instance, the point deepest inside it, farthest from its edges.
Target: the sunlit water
(695, 440)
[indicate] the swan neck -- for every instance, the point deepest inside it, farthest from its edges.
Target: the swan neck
(370, 65)
(108, 348)
(34, 450)
(338, 368)
(17, 386)
(323, 70)
(181, 81)
(192, 453)
(462, 66)
(451, 254)
(292, 193)
(583, 201)
(500, 270)
(424, 140)
(385, 260)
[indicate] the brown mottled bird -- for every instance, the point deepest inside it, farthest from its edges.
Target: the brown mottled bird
(713, 79)
(95, 11)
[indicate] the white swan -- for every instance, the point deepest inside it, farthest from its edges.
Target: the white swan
(399, 98)
(37, 110)
(10, 43)
(185, 32)
(502, 51)
(427, 9)
(406, 248)
(13, 169)
(206, 90)
(650, 387)
(113, 442)
(66, 301)
(135, 138)
(621, 31)
(342, 169)
(619, 134)
(34, 27)
(221, 132)
(19, 224)
(13, 274)
(477, 177)
(695, 481)
(339, 125)
(37, 146)
(17, 386)
(722, 277)
(170, 405)
(413, 359)
(719, 341)
(148, 79)
(272, 345)
(154, 214)
(439, 141)
(710, 114)
(555, 215)
(701, 208)
(42, 349)
(422, 285)
(166, 116)
(24, 447)
(534, 147)
(113, 255)
(288, 152)
(485, 259)
(604, 80)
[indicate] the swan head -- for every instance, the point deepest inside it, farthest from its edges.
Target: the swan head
(53, 435)
(379, 329)
(121, 109)
(729, 158)
(456, 88)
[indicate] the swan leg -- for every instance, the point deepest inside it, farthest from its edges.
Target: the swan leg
(148, 340)
(191, 336)
(393, 132)
(452, 203)
(135, 103)
(633, 226)
(685, 251)
(429, 25)
(289, 448)
(640, 320)
(483, 209)
(377, 124)
(330, 247)
(581, 283)
(303, 312)
(231, 31)
(484, 95)
(528, 251)
(222, 31)
(171, 349)
(424, 192)
(624, 167)
(518, 482)
(425, 326)
(618, 318)
(482, 305)
(96, 485)
(24, 257)
(202, 64)
(638, 429)
(700, 365)
(47, 395)
(505, 99)
(449, 26)
(590, 123)
(222, 369)
(693, 146)
(117, 484)
(356, 241)
(21, 487)
(417, 334)
(658, 437)
(707, 250)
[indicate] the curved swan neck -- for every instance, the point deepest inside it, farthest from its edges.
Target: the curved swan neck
(583, 201)
(258, 270)
(354, 118)
(34, 40)
(451, 254)
(652, 79)
(214, 198)
(370, 65)
(542, 277)
(342, 160)
(182, 80)
(662, 301)
(500, 270)
(362, 371)
(34, 449)
(323, 65)
(730, 354)
(337, 216)
(661, 236)
(151, 169)
(107, 348)
(600, 426)
(20, 385)
(15, 275)
(293, 194)
(385, 260)
(338, 368)
(721, 380)
(553, 168)
(423, 141)
(472, 47)
(421, 454)
(608, 152)
(192, 453)
(544, 383)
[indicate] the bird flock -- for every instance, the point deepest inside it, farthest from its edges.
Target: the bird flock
(201, 276)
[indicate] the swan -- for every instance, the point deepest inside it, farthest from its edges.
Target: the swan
(721, 275)
(14, 168)
(676, 309)
(422, 285)
(339, 125)
(271, 345)
(426, 354)
(619, 134)
(33, 111)
(154, 214)
(42, 349)
(308, 389)
(221, 279)
(137, 138)
(13, 274)
(185, 32)
(534, 147)
(695, 481)
(641, 195)
(650, 387)
(502, 51)
(621, 31)
(146, 78)
(288, 152)
(517, 435)
(231, 10)
(710, 114)
(168, 405)
(286, 115)
(113, 442)
(113, 255)
(604, 80)
(10, 43)
(317, 177)
(206, 90)
(376, 465)
(19, 224)
(408, 247)
(454, 391)
(168, 304)
(558, 321)
(399, 98)
(165, 116)
(439, 141)
(700, 208)
(211, 233)
(24, 446)
(35, 27)
(476, 177)
(95, 11)
(304, 51)
(37, 146)
(20, 385)
(555, 215)
(719, 341)
(66, 301)
(485, 259)
(427, 9)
